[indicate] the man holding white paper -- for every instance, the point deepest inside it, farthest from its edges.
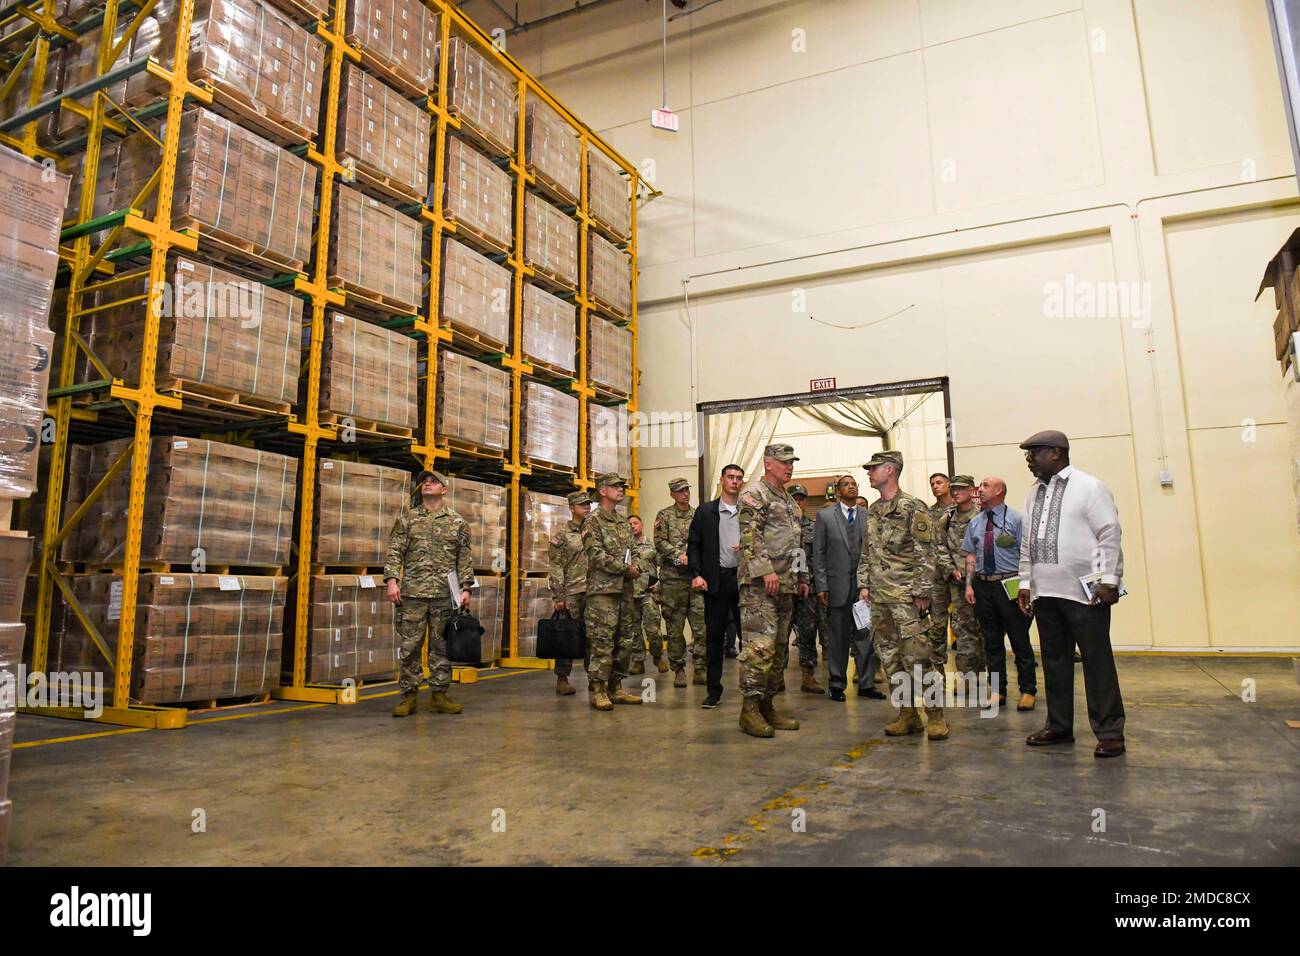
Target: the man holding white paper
(836, 552)
(1072, 534)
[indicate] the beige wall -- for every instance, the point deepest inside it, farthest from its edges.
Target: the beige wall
(920, 172)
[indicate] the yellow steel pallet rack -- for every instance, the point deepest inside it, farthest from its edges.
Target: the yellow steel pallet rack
(32, 31)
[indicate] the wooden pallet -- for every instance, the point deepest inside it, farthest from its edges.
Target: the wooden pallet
(476, 340)
(609, 394)
(300, 13)
(474, 449)
(404, 84)
(367, 426)
(375, 302)
(370, 181)
(240, 108)
(478, 240)
(607, 231)
(479, 136)
(537, 463)
(551, 281)
(212, 397)
(223, 248)
(620, 318)
(556, 373)
(223, 703)
(549, 188)
(176, 567)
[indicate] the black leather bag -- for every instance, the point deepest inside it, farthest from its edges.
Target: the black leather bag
(463, 635)
(561, 637)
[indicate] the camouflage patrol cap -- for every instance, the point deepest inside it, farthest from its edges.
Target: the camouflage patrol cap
(962, 481)
(1048, 439)
(798, 490)
(576, 498)
(894, 458)
(610, 480)
(679, 484)
(426, 473)
(782, 453)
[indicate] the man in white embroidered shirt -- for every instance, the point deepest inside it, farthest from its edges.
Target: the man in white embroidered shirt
(1071, 566)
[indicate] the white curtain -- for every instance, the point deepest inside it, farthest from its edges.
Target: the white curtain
(864, 417)
(738, 437)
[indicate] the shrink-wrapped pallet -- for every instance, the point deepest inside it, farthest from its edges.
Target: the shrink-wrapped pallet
(353, 633)
(552, 149)
(543, 515)
(197, 636)
(24, 378)
(246, 49)
(609, 275)
(609, 196)
(11, 654)
(473, 402)
(375, 250)
(15, 561)
(475, 294)
(550, 333)
(484, 508)
(478, 194)
(489, 605)
(383, 133)
(608, 447)
(483, 94)
(368, 373)
(204, 501)
(401, 35)
(534, 605)
(550, 425)
(216, 329)
(356, 506)
(611, 356)
(550, 241)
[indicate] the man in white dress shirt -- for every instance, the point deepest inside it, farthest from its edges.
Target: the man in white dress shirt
(1071, 567)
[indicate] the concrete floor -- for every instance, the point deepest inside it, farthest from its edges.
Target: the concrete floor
(1207, 780)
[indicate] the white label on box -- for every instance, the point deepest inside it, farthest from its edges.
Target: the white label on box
(370, 657)
(339, 318)
(228, 582)
(327, 466)
(343, 609)
(370, 633)
(338, 633)
(374, 607)
(186, 265)
(180, 444)
(366, 581)
(166, 579)
(114, 600)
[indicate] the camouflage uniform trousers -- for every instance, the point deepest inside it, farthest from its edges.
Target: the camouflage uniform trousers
(646, 625)
(938, 630)
(412, 617)
(576, 603)
(609, 636)
(680, 604)
(809, 628)
(765, 621)
(966, 630)
(902, 642)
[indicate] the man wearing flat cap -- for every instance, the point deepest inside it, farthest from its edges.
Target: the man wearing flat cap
(772, 573)
(567, 563)
(610, 545)
(678, 601)
(1071, 568)
(429, 541)
(896, 576)
(950, 565)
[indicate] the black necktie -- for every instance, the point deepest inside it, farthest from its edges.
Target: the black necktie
(850, 515)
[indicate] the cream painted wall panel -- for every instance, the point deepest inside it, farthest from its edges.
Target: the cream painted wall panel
(1212, 85)
(665, 355)
(810, 157)
(738, 47)
(1012, 114)
(1225, 339)
(944, 20)
(1246, 511)
(664, 227)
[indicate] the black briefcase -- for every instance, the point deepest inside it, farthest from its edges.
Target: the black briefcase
(463, 635)
(561, 637)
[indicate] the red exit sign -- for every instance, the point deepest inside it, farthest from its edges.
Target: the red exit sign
(822, 385)
(665, 119)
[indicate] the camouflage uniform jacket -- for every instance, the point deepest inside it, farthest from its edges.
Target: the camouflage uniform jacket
(770, 536)
(606, 539)
(424, 546)
(897, 550)
(806, 529)
(647, 562)
(567, 562)
(951, 529)
(672, 525)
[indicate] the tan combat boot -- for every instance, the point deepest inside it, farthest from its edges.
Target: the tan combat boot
(936, 728)
(599, 697)
(440, 703)
(767, 708)
(679, 677)
(810, 685)
(908, 722)
(751, 719)
(563, 687)
(638, 667)
(661, 664)
(700, 678)
(618, 695)
(405, 707)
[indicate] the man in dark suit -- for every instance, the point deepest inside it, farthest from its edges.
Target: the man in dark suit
(712, 552)
(837, 549)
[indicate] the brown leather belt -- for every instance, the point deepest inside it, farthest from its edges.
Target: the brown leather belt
(997, 577)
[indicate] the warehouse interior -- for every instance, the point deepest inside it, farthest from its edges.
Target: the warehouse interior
(276, 261)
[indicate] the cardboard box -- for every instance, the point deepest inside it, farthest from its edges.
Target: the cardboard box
(550, 329)
(550, 425)
(353, 630)
(381, 133)
(356, 506)
(609, 275)
(484, 508)
(478, 195)
(552, 149)
(234, 503)
(483, 94)
(15, 561)
(32, 201)
(11, 653)
(609, 195)
(550, 240)
(375, 249)
(488, 604)
(368, 373)
(24, 377)
(543, 515)
(534, 604)
(475, 294)
(610, 362)
(608, 446)
(473, 401)
(401, 34)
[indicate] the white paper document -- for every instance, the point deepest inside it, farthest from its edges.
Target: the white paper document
(861, 615)
(1089, 580)
(453, 582)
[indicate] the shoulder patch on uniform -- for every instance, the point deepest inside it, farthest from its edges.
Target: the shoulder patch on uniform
(751, 499)
(921, 526)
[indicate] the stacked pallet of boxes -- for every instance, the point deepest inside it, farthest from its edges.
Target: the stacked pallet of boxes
(31, 208)
(542, 516)
(473, 403)
(483, 506)
(550, 427)
(368, 376)
(608, 445)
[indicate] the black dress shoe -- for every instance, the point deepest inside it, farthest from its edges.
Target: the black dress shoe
(1109, 748)
(836, 695)
(710, 702)
(1048, 736)
(870, 692)
(728, 652)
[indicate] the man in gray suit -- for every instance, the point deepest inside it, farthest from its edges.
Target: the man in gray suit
(837, 548)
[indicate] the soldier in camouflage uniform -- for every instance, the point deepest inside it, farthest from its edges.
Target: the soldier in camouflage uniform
(568, 576)
(809, 616)
(645, 606)
(951, 565)
(608, 542)
(770, 579)
(896, 575)
(941, 487)
(428, 541)
(677, 599)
